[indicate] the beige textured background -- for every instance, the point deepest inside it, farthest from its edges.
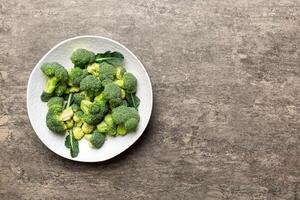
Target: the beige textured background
(226, 81)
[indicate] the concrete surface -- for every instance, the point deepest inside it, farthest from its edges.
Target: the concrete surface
(226, 81)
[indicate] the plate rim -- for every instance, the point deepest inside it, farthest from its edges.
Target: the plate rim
(103, 38)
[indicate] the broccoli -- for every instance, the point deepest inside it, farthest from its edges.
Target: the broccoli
(127, 116)
(121, 130)
(120, 72)
(96, 139)
(56, 116)
(100, 98)
(107, 71)
(78, 133)
(61, 89)
(93, 69)
(76, 75)
(55, 101)
(107, 125)
(75, 107)
(69, 123)
(128, 82)
(87, 128)
(92, 85)
(78, 97)
(93, 112)
(78, 116)
(82, 57)
(112, 94)
(54, 73)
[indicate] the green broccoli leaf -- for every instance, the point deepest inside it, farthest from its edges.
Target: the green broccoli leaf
(72, 144)
(114, 58)
(133, 100)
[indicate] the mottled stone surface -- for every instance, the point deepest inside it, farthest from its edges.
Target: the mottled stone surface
(226, 84)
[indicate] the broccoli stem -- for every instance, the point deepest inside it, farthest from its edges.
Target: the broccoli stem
(69, 100)
(50, 85)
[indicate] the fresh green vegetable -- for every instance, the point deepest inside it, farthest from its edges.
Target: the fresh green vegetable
(92, 85)
(107, 71)
(133, 100)
(107, 125)
(100, 98)
(56, 116)
(72, 144)
(97, 139)
(76, 75)
(54, 73)
(82, 57)
(114, 58)
(127, 116)
(120, 72)
(94, 69)
(128, 82)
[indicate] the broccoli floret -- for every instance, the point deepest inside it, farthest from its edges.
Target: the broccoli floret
(54, 73)
(82, 57)
(107, 125)
(98, 107)
(96, 139)
(76, 75)
(127, 116)
(107, 71)
(61, 89)
(56, 116)
(78, 133)
(112, 94)
(91, 84)
(75, 107)
(93, 112)
(85, 106)
(92, 119)
(120, 72)
(78, 116)
(78, 97)
(123, 94)
(55, 101)
(121, 130)
(94, 69)
(69, 123)
(87, 128)
(128, 82)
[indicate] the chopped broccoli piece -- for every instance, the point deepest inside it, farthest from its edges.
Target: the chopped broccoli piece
(55, 101)
(82, 57)
(87, 128)
(91, 84)
(54, 73)
(78, 116)
(56, 116)
(94, 69)
(107, 71)
(78, 133)
(69, 123)
(97, 139)
(107, 125)
(76, 75)
(61, 88)
(127, 116)
(121, 130)
(78, 97)
(120, 72)
(112, 94)
(128, 82)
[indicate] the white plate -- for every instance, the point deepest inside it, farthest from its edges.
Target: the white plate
(37, 109)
